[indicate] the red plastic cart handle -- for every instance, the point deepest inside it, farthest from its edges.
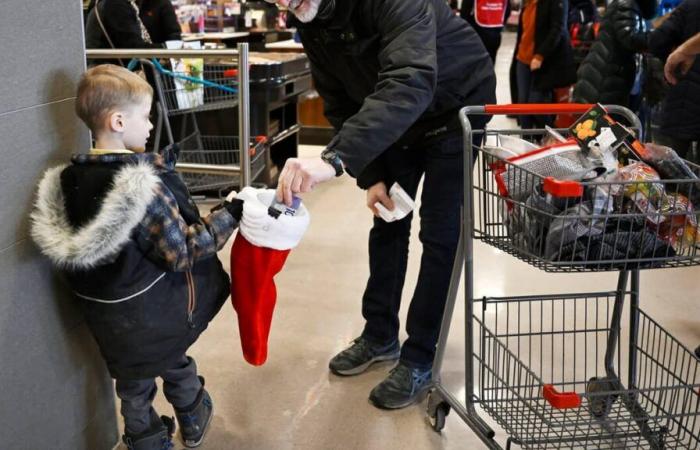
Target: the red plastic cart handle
(559, 188)
(538, 108)
(259, 140)
(560, 400)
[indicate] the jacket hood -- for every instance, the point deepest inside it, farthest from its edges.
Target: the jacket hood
(124, 206)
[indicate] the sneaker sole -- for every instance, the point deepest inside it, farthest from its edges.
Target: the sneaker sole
(363, 367)
(420, 396)
(206, 429)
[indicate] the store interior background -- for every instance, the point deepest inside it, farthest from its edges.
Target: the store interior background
(57, 392)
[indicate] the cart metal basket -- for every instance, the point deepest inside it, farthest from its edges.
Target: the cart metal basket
(218, 87)
(220, 151)
(210, 160)
(549, 368)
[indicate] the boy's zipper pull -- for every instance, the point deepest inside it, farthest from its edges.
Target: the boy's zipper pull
(191, 299)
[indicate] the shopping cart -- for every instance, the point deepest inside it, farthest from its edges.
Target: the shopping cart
(552, 370)
(182, 92)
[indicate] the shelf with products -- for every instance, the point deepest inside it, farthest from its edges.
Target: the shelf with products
(199, 16)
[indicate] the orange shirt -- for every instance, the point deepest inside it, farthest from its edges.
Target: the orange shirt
(526, 48)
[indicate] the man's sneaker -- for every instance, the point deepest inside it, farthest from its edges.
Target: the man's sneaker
(157, 438)
(401, 388)
(360, 355)
(194, 421)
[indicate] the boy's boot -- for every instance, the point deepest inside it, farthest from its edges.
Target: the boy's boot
(194, 420)
(158, 437)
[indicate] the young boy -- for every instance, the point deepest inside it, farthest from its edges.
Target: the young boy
(122, 226)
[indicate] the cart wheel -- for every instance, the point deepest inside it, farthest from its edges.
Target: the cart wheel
(600, 404)
(438, 409)
(438, 421)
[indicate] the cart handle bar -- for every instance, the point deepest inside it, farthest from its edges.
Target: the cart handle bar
(560, 400)
(531, 108)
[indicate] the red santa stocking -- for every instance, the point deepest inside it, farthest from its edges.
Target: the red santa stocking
(258, 254)
(254, 294)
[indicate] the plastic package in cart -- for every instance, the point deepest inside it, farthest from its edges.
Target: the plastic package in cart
(564, 161)
(679, 227)
(639, 182)
(506, 146)
(670, 166)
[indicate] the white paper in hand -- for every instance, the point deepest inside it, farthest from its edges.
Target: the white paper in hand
(403, 205)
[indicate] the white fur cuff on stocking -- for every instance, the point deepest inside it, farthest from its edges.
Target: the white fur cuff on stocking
(263, 230)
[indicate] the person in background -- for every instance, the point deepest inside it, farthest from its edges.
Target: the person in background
(487, 17)
(582, 12)
(679, 119)
(131, 24)
(393, 75)
(544, 55)
(607, 73)
(678, 65)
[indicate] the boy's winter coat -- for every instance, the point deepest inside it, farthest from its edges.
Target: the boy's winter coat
(136, 252)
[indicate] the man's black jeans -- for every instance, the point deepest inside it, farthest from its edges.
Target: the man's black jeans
(440, 159)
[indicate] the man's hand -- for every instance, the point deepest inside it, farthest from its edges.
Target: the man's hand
(378, 193)
(536, 63)
(678, 60)
(302, 175)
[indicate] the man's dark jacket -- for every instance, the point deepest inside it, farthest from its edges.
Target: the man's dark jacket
(119, 18)
(680, 111)
(389, 70)
(607, 73)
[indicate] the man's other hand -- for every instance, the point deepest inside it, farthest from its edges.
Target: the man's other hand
(301, 175)
(378, 193)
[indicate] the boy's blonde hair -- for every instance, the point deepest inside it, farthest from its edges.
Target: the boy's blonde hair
(107, 87)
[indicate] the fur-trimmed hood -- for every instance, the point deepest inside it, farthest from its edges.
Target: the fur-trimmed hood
(103, 237)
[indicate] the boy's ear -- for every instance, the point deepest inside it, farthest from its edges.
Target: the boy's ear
(116, 121)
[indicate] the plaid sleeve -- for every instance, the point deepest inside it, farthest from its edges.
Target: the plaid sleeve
(169, 241)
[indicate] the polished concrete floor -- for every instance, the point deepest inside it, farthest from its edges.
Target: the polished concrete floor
(293, 402)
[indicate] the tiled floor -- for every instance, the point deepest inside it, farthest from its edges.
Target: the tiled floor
(292, 402)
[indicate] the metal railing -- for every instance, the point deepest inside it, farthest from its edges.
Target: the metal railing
(241, 56)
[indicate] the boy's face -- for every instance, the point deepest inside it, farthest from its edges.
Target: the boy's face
(137, 125)
(305, 10)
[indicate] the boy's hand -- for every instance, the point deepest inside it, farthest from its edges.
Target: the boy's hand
(378, 193)
(231, 195)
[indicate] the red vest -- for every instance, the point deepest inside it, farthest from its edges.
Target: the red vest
(490, 13)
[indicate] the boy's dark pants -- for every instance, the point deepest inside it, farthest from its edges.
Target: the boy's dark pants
(440, 159)
(180, 386)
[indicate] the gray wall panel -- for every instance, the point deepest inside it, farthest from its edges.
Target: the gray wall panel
(56, 376)
(57, 393)
(44, 40)
(33, 140)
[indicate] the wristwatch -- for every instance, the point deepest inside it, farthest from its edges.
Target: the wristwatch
(332, 158)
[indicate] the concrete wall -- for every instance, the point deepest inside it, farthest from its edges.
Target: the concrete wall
(56, 391)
